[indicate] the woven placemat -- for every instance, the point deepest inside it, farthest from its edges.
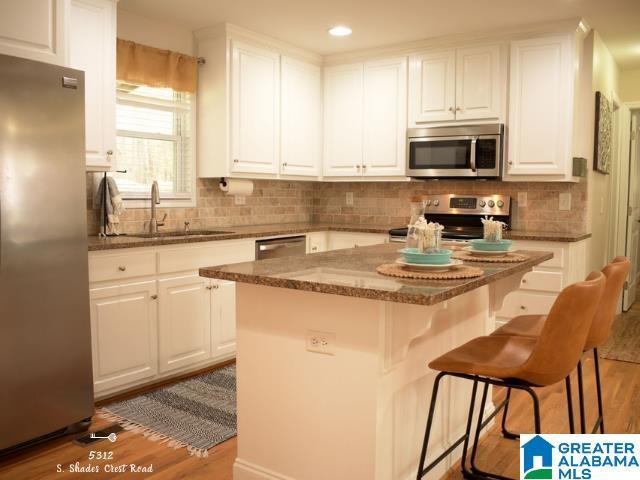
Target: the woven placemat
(508, 258)
(396, 270)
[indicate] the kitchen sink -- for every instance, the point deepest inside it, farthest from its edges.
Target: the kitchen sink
(190, 233)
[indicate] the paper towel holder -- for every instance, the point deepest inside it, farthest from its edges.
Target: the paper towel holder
(223, 182)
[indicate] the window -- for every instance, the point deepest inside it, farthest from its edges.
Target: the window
(154, 142)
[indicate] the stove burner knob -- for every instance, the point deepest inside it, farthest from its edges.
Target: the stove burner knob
(428, 203)
(500, 204)
(482, 203)
(491, 204)
(436, 203)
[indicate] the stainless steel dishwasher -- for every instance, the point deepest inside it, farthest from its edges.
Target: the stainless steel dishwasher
(281, 247)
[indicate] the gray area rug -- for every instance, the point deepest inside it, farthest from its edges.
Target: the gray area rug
(195, 414)
(624, 342)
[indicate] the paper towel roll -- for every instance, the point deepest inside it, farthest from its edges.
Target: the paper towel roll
(236, 186)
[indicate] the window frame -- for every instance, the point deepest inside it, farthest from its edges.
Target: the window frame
(143, 200)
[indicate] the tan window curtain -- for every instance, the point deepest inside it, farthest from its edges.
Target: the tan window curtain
(143, 65)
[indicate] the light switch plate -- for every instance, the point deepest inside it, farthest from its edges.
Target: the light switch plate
(240, 199)
(522, 199)
(564, 202)
(349, 198)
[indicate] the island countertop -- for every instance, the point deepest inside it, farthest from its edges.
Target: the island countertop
(352, 272)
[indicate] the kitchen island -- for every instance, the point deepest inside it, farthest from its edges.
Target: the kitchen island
(332, 362)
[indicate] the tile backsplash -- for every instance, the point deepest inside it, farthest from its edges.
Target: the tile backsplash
(271, 202)
(387, 203)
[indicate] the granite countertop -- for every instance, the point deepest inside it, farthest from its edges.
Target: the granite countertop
(352, 272)
(253, 231)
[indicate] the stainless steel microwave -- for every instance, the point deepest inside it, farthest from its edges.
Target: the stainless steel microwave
(472, 151)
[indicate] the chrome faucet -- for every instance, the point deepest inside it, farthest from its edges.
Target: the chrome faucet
(155, 200)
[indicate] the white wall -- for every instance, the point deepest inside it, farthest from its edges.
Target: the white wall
(630, 85)
(606, 80)
(155, 33)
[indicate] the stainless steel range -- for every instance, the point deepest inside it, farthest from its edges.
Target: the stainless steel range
(460, 215)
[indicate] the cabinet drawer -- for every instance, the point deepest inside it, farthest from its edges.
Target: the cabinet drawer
(114, 267)
(525, 303)
(558, 260)
(209, 254)
(542, 281)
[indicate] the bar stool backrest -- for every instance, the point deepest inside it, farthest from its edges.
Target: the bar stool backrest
(565, 331)
(616, 273)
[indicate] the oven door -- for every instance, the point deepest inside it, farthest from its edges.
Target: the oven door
(475, 156)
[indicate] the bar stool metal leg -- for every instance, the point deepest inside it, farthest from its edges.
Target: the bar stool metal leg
(505, 432)
(600, 422)
(427, 433)
(583, 422)
(572, 427)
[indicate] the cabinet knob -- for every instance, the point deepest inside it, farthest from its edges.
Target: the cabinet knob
(451, 109)
(284, 164)
(122, 268)
(154, 297)
(524, 280)
(522, 307)
(364, 168)
(458, 109)
(209, 287)
(510, 162)
(235, 160)
(109, 153)
(314, 248)
(358, 167)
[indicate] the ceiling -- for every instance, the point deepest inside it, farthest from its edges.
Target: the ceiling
(382, 22)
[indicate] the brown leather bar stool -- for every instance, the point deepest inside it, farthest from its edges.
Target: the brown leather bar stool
(517, 362)
(531, 326)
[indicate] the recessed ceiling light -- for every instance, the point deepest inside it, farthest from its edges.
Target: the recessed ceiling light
(340, 31)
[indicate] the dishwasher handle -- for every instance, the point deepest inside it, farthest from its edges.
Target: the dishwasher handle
(277, 246)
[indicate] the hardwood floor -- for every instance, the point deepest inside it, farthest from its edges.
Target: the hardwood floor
(621, 383)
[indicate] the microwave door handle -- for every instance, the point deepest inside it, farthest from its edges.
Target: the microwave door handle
(472, 160)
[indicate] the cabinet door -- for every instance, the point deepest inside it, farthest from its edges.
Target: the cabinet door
(300, 118)
(343, 130)
(478, 83)
(385, 117)
(316, 242)
(123, 334)
(540, 106)
(432, 87)
(255, 106)
(34, 29)
(184, 321)
(92, 48)
(223, 318)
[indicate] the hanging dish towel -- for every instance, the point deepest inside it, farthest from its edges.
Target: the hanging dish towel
(114, 205)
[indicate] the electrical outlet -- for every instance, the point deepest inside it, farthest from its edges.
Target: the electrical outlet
(564, 202)
(321, 342)
(349, 199)
(240, 199)
(522, 199)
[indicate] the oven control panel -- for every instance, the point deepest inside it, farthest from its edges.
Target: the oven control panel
(467, 204)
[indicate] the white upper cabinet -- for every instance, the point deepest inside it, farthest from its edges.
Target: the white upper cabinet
(477, 83)
(455, 85)
(432, 87)
(34, 29)
(255, 109)
(540, 108)
(343, 126)
(385, 117)
(300, 116)
(92, 48)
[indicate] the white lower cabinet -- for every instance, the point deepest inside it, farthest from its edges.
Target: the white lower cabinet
(338, 240)
(223, 317)
(540, 287)
(184, 321)
(124, 333)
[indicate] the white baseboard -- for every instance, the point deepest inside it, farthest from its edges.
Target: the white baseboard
(243, 470)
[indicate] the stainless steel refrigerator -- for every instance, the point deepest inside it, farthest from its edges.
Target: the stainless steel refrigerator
(45, 338)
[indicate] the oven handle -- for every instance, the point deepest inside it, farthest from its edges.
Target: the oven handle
(472, 160)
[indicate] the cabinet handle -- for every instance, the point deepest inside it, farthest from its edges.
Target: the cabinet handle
(235, 160)
(210, 287)
(364, 168)
(284, 164)
(154, 297)
(458, 109)
(522, 307)
(122, 268)
(314, 249)
(451, 109)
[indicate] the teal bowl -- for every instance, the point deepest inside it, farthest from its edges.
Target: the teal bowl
(482, 244)
(413, 255)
